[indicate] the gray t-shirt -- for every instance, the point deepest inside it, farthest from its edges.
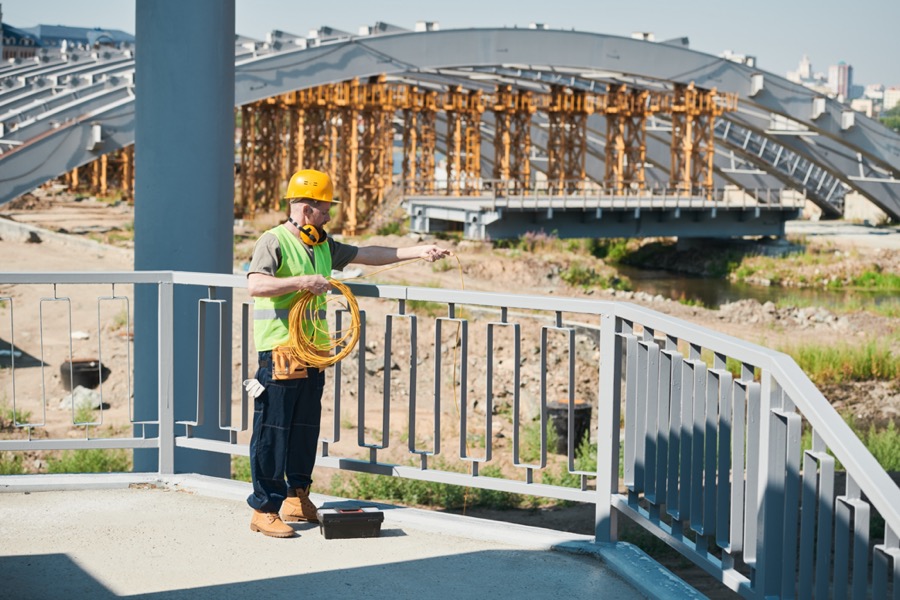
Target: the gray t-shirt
(267, 255)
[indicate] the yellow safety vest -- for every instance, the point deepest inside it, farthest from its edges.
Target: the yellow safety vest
(270, 315)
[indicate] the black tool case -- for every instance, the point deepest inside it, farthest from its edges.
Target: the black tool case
(342, 523)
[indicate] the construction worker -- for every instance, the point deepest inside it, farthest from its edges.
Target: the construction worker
(294, 257)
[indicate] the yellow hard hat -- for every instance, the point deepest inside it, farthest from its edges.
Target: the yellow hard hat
(310, 185)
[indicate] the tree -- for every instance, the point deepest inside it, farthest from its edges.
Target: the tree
(891, 118)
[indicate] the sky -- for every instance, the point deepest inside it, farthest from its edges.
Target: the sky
(777, 32)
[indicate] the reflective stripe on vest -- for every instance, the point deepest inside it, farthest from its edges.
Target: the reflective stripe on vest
(260, 314)
(270, 315)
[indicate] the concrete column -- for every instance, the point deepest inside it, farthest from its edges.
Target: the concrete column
(184, 194)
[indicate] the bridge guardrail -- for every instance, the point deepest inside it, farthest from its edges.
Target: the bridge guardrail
(710, 427)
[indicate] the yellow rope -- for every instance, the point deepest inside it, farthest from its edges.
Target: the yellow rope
(303, 345)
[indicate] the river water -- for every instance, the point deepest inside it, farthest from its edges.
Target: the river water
(714, 292)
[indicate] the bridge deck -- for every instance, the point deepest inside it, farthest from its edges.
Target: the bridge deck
(599, 216)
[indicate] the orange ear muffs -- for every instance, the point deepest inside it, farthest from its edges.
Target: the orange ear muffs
(312, 235)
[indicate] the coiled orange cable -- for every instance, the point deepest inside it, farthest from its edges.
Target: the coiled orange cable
(304, 346)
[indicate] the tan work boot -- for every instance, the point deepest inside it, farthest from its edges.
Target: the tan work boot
(298, 507)
(270, 524)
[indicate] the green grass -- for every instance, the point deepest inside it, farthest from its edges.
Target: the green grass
(691, 301)
(395, 489)
(90, 461)
(876, 281)
(347, 422)
(240, 468)
(426, 307)
(11, 464)
(443, 265)
(84, 414)
(8, 418)
(121, 320)
(392, 228)
(586, 277)
(424, 493)
(530, 441)
(841, 363)
(610, 250)
(732, 365)
(883, 444)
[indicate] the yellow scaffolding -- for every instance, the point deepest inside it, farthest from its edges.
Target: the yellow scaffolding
(347, 130)
(513, 111)
(693, 112)
(464, 109)
(567, 110)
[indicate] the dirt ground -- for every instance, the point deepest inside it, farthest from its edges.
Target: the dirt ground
(96, 236)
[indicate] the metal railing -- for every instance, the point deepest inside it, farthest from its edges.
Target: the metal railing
(580, 193)
(711, 429)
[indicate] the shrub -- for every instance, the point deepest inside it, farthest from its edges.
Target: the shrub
(586, 277)
(90, 461)
(240, 468)
(612, 250)
(9, 417)
(837, 364)
(392, 228)
(884, 446)
(11, 464)
(875, 280)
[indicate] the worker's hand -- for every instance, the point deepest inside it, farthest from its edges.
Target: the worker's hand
(432, 253)
(314, 284)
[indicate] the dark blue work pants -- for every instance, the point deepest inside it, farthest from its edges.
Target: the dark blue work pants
(285, 436)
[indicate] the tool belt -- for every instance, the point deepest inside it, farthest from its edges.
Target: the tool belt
(285, 366)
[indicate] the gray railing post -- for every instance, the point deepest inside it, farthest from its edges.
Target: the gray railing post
(769, 495)
(166, 378)
(609, 394)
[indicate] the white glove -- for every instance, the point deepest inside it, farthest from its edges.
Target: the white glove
(253, 387)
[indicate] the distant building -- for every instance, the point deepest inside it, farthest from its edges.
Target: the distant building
(18, 44)
(840, 80)
(891, 98)
(803, 72)
(52, 36)
(744, 59)
(805, 76)
(875, 91)
(863, 105)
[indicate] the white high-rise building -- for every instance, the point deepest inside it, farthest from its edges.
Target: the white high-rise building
(805, 68)
(840, 79)
(803, 72)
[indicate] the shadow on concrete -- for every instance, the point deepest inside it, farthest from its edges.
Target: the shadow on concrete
(38, 576)
(493, 574)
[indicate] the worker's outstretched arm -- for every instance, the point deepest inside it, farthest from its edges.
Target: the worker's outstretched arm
(384, 255)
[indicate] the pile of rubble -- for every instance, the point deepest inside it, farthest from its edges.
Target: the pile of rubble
(752, 312)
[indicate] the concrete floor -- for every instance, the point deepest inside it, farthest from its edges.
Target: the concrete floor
(77, 537)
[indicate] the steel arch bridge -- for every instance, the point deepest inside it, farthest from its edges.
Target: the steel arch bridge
(61, 112)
